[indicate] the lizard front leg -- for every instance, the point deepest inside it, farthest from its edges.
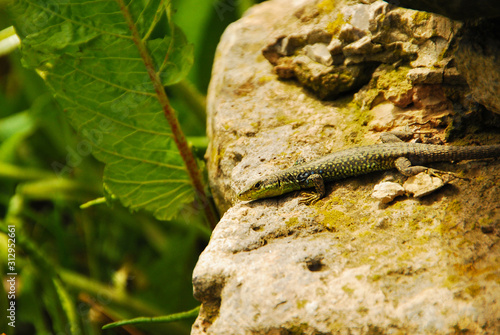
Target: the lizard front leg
(315, 180)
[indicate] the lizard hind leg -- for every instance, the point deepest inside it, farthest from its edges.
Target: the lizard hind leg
(404, 166)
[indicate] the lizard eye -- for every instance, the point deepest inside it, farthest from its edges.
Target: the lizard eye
(257, 184)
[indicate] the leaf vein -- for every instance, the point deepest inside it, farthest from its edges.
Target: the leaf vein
(172, 200)
(163, 195)
(101, 31)
(115, 120)
(146, 182)
(142, 160)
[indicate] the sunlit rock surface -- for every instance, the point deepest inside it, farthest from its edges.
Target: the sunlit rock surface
(348, 264)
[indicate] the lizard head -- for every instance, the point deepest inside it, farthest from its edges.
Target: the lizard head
(262, 188)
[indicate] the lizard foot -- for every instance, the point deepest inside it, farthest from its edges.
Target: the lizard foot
(443, 175)
(309, 198)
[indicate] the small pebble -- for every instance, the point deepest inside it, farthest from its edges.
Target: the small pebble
(319, 53)
(387, 191)
(422, 184)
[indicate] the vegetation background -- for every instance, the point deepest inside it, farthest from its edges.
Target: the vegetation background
(80, 268)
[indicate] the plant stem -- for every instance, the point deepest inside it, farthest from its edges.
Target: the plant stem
(16, 172)
(200, 142)
(106, 293)
(55, 187)
(178, 135)
(98, 201)
(68, 305)
(77, 281)
(159, 319)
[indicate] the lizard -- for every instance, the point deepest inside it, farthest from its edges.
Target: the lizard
(393, 153)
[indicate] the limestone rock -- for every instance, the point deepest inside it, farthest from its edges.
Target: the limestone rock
(330, 81)
(478, 61)
(319, 53)
(455, 9)
(345, 265)
(362, 46)
(423, 184)
(387, 191)
(349, 33)
(430, 97)
(421, 75)
(359, 37)
(384, 116)
(451, 76)
(319, 36)
(335, 46)
(393, 83)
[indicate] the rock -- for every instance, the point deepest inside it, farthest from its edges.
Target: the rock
(429, 52)
(455, 9)
(387, 191)
(335, 46)
(423, 184)
(359, 38)
(362, 46)
(319, 36)
(285, 69)
(319, 53)
(360, 15)
(393, 83)
(329, 82)
(384, 115)
(423, 75)
(349, 33)
(325, 81)
(478, 61)
(453, 77)
(487, 229)
(283, 46)
(345, 265)
(431, 97)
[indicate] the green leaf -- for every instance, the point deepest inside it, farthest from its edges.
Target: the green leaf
(87, 54)
(68, 306)
(13, 130)
(9, 41)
